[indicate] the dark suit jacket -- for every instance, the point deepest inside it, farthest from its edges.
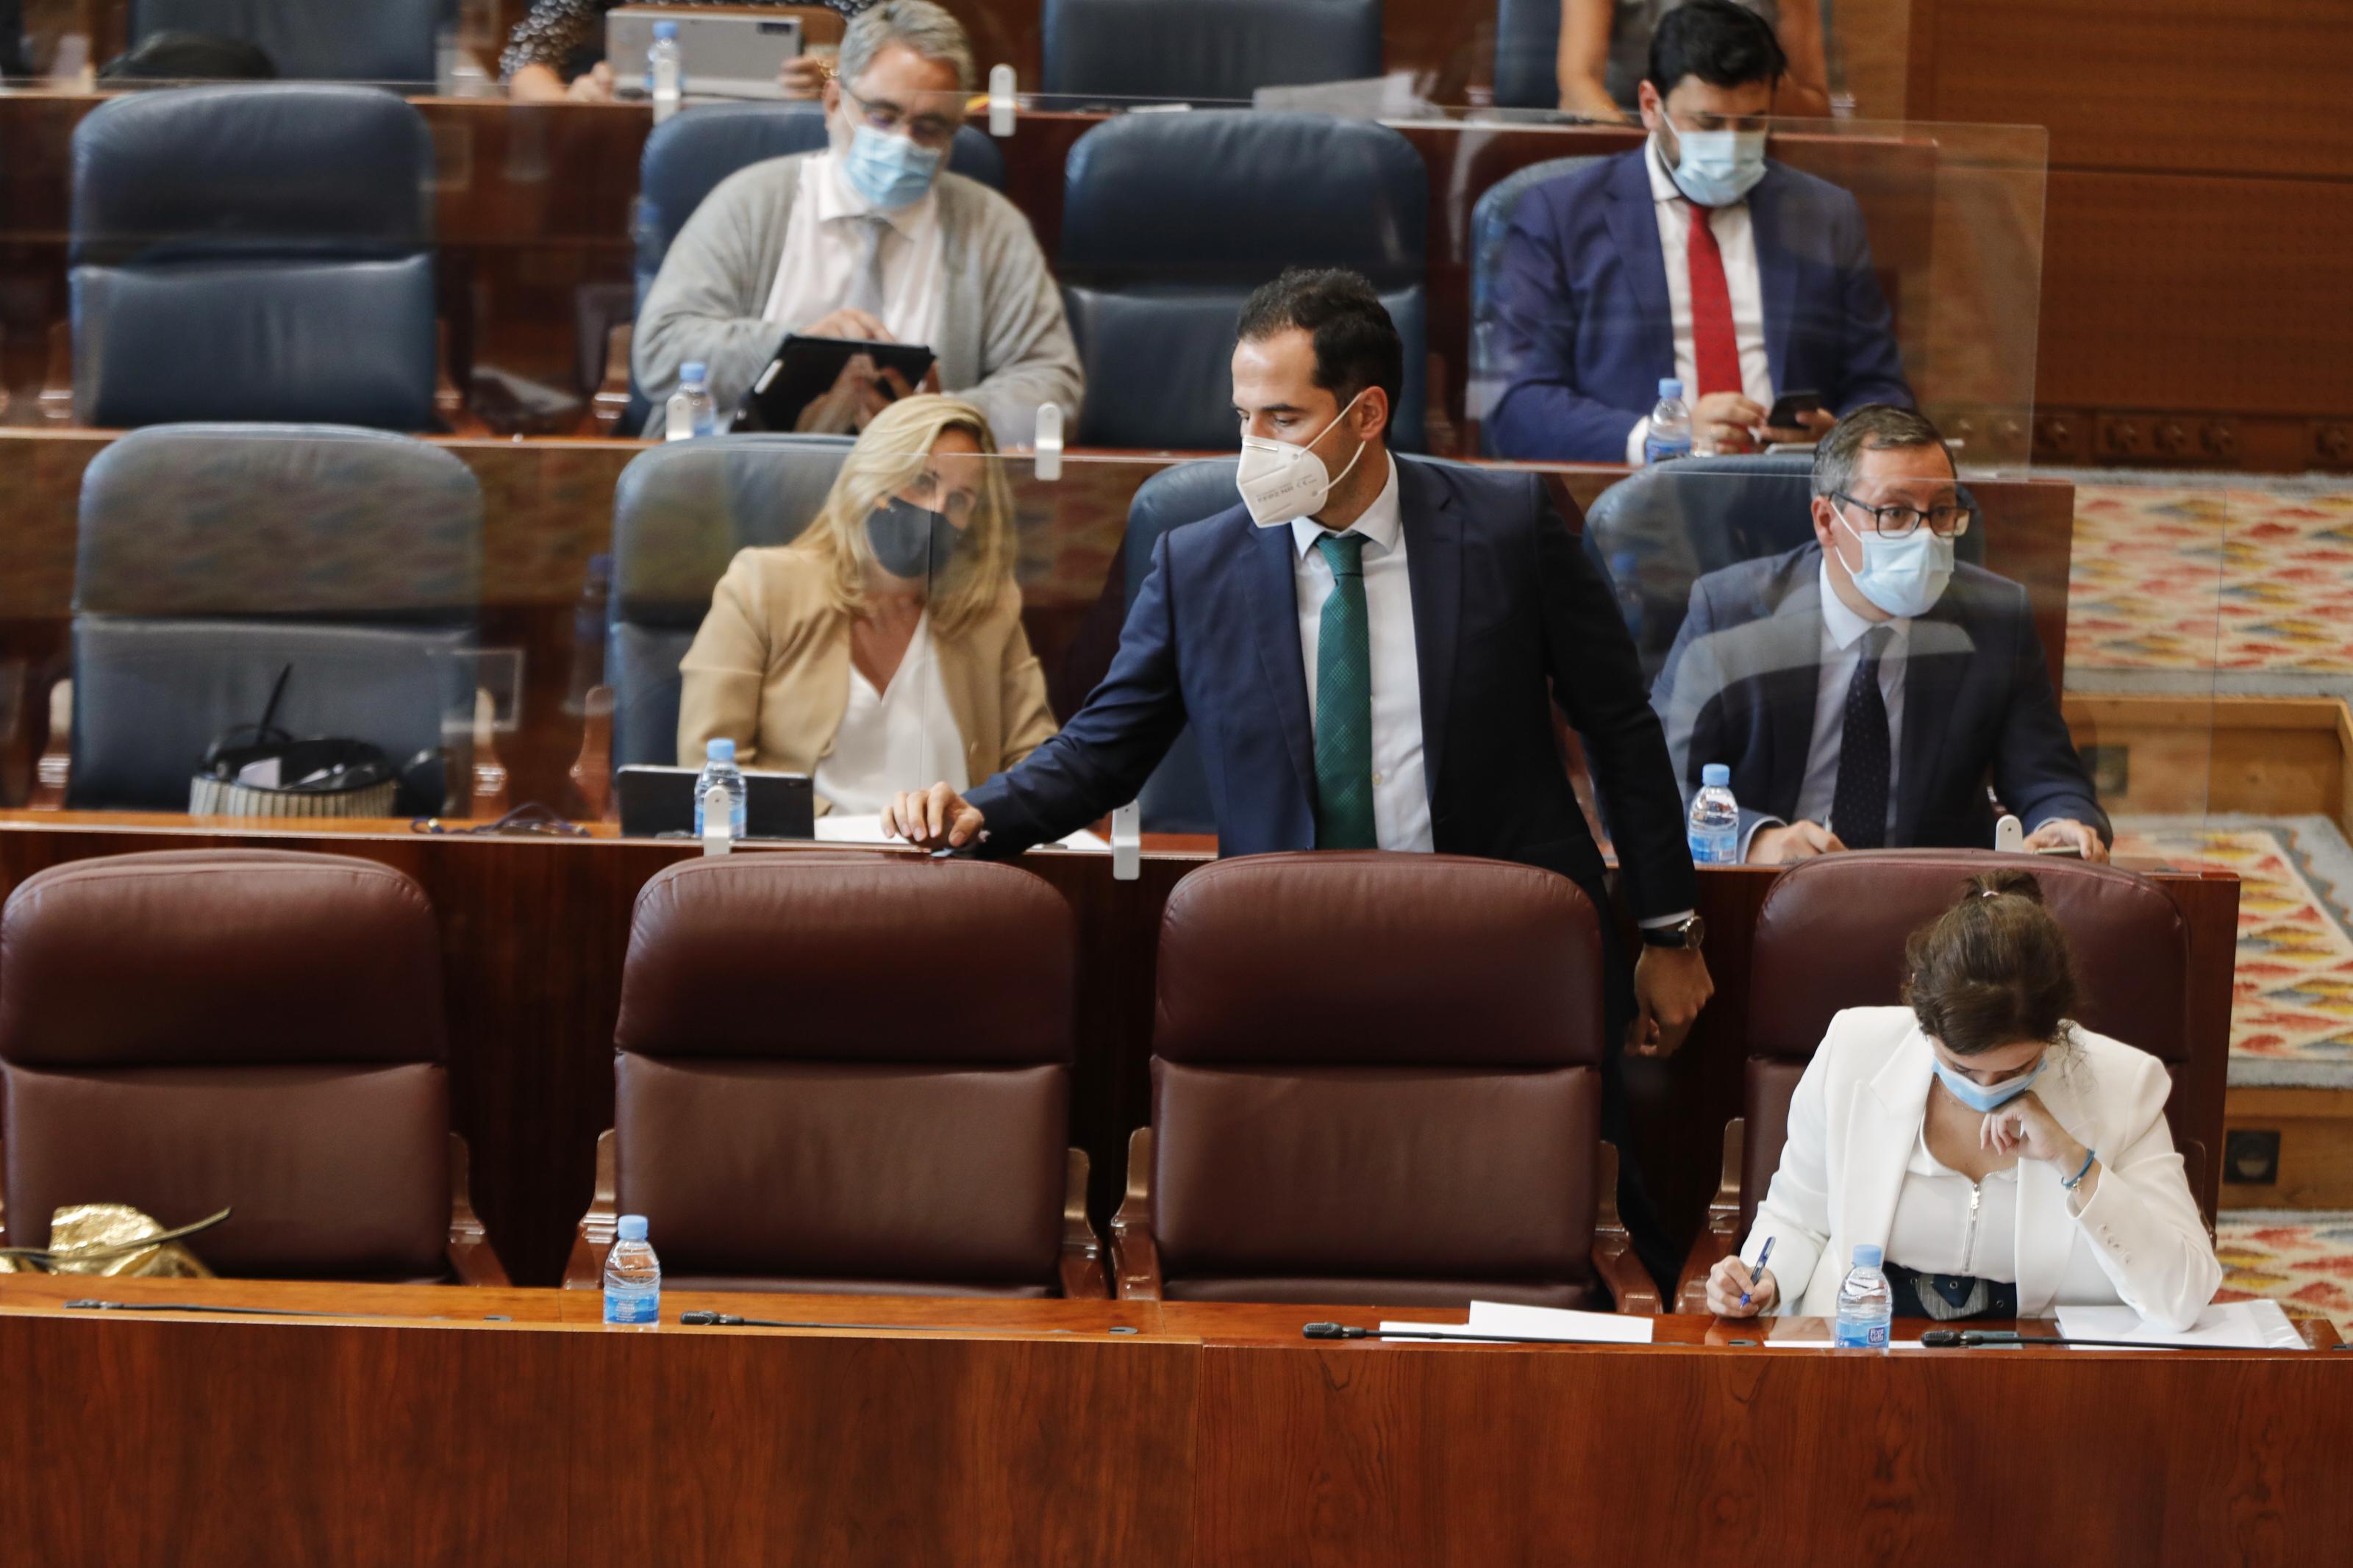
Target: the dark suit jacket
(1741, 682)
(1505, 603)
(1583, 329)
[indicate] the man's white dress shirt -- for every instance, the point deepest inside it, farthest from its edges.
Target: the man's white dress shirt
(825, 245)
(1735, 237)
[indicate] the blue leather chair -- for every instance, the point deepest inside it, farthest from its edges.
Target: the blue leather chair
(262, 251)
(1662, 529)
(1491, 220)
(311, 40)
(1527, 45)
(1169, 221)
(211, 557)
(690, 154)
(680, 513)
(1206, 49)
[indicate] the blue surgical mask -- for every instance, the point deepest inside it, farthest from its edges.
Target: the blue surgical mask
(1717, 167)
(1984, 1097)
(1904, 576)
(890, 172)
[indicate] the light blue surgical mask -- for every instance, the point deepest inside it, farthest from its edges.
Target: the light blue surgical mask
(1904, 576)
(1716, 167)
(1985, 1097)
(890, 172)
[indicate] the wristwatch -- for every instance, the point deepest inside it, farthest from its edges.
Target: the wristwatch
(1686, 933)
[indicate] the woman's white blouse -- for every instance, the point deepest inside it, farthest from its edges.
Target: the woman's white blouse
(1944, 1223)
(905, 732)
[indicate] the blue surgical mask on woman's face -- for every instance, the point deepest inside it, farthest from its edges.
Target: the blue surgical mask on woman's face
(890, 172)
(1904, 576)
(1985, 1097)
(1715, 168)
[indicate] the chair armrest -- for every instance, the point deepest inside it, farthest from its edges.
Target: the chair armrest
(586, 1269)
(1721, 1232)
(54, 770)
(1630, 1285)
(57, 399)
(1135, 1261)
(486, 797)
(611, 398)
(592, 771)
(471, 1256)
(1083, 1253)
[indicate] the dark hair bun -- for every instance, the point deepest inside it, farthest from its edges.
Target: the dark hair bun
(2005, 885)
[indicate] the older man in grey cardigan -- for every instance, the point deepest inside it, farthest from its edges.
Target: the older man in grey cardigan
(870, 239)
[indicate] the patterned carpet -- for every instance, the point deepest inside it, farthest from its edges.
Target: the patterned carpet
(2169, 581)
(2292, 1016)
(2301, 1259)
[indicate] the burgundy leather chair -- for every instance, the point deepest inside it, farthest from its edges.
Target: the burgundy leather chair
(241, 1029)
(847, 1073)
(1832, 935)
(1376, 1080)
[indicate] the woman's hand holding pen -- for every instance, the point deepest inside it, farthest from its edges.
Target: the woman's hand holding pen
(1728, 1282)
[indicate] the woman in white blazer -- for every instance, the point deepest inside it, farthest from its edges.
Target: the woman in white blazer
(2005, 1160)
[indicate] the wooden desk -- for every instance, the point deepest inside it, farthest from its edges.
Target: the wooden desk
(535, 932)
(1027, 1433)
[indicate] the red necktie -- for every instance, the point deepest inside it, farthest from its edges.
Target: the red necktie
(1715, 350)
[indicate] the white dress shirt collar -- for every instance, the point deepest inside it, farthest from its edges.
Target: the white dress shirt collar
(1845, 627)
(1383, 522)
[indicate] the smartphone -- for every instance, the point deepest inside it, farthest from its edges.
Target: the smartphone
(1789, 406)
(2066, 851)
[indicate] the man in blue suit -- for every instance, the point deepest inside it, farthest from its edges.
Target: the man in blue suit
(1369, 650)
(1694, 257)
(1864, 688)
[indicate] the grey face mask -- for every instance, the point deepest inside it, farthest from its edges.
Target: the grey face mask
(909, 541)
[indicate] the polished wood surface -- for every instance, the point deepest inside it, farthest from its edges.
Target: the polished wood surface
(1027, 1433)
(535, 930)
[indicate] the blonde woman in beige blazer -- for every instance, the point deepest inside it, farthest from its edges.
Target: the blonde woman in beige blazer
(890, 630)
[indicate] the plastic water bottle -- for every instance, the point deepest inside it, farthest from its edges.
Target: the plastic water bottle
(1865, 1305)
(1671, 432)
(719, 769)
(1713, 825)
(690, 412)
(632, 1276)
(665, 75)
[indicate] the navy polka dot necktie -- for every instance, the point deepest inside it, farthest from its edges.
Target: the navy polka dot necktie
(1859, 809)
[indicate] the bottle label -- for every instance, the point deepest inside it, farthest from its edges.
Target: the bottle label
(633, 1304)
(1854, 1335)
(1713, 846)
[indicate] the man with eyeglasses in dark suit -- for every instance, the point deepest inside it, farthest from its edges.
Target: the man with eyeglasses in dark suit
(1864, 688)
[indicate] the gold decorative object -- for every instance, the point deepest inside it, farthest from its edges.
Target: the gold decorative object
(114, 1240)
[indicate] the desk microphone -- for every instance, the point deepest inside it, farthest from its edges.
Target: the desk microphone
(1980, 1339)
(729, 1321)
(1438, 1334)
(91, 1304)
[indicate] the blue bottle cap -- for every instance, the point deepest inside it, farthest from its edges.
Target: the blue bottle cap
(1669, 387)
(693, 371)
(720, 751)
(1867, 1256)
(631, 1229)
(1717, 775)
(665, 29)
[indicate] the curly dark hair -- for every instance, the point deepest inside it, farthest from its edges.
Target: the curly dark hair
(1993, 969)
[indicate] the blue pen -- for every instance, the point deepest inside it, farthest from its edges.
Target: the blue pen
(1757, 1273)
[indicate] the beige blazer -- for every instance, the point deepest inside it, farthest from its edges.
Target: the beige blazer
(770, 670)
(1856, 1115)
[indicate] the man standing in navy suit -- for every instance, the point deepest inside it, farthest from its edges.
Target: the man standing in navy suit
(1864, 688)
(1694, 256)
(1369, 650)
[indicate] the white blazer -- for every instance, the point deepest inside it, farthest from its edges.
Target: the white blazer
(1856, 1116)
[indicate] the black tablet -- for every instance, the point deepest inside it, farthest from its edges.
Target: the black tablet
(659, 803)
(806, 369)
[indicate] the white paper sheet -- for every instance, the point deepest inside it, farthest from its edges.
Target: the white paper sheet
(2258, 1325)
(840, 827)
(1491, 1318)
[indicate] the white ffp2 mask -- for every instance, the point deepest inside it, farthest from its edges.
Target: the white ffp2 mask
(1282, 480)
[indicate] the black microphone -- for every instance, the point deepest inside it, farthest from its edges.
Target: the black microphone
(729, 1321)
(1980, 1339)
(92, 1304)
(1436, 1333)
